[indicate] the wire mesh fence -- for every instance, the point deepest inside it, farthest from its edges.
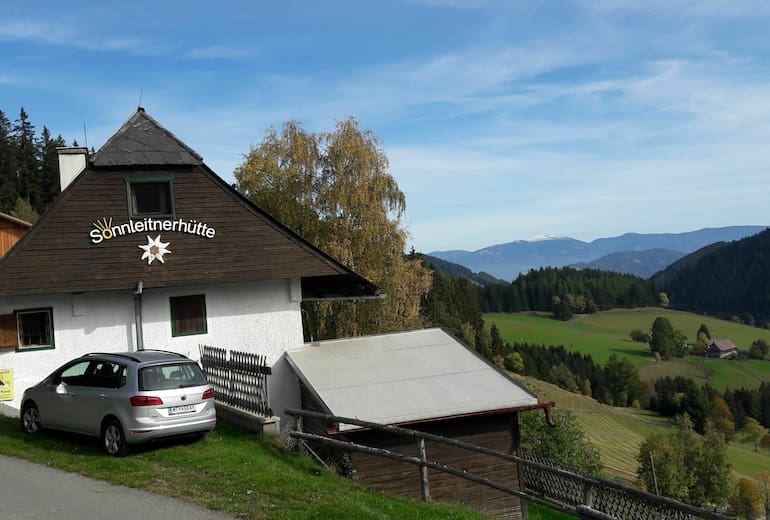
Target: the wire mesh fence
(606, 499)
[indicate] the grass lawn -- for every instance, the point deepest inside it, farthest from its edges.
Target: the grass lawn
(745, 461)
(232, 471)
(606, 333)
(538, 512)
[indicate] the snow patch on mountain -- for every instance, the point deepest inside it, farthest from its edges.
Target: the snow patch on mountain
(543, 238)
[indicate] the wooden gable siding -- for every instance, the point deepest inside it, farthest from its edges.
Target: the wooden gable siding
(400, 478)
(10, 233)
(58, 256)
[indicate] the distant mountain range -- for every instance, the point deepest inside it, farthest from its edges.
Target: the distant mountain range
(643, 263)
(460, 271)
(634, 253)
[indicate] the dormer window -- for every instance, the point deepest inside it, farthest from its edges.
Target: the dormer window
(150, 198)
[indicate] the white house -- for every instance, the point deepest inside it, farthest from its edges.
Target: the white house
(146, 247)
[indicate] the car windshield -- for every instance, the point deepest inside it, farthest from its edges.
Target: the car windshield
(177, 375)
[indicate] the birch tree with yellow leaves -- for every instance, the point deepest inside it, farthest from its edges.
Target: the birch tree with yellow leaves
(335, 190)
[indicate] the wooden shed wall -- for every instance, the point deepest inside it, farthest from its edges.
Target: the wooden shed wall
(10, 233)
(401, 478)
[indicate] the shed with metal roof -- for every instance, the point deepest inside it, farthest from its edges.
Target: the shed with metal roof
(426, 380)
(402, 378)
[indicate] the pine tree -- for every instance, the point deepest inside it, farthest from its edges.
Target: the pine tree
(662, 337)
(49, 167)
(8, 186)
(26, 162)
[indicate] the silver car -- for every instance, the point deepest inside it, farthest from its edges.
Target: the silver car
(123, 398)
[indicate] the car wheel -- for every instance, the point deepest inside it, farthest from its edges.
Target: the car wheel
(113, 439)
(30, 418)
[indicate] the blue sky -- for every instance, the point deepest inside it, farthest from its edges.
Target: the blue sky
(502, 120)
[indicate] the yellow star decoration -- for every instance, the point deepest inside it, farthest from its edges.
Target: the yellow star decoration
(155, 249)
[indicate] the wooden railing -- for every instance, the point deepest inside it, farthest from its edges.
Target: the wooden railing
(585, 496)
(239, 378)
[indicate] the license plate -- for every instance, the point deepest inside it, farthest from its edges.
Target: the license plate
(187, 408)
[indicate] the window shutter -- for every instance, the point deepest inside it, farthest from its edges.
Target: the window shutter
(9, 335)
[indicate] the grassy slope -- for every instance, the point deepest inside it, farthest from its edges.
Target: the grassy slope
(618, 432)
(605, 333)
(538, 512)
(232, 471)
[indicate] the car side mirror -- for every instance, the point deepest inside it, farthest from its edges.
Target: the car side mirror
(61, 388)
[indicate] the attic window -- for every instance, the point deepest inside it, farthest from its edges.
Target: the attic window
(150, 198)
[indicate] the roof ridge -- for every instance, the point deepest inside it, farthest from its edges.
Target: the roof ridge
(142, 140)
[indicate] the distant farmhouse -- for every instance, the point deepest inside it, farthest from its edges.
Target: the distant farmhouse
(721, 348)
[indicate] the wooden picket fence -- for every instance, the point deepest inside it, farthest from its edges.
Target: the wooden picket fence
(239, 378)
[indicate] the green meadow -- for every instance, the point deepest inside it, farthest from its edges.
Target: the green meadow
(605, 333)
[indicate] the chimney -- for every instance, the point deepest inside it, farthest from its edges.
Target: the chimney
(72, 161)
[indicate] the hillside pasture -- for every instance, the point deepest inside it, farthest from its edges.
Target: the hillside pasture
(616, 432)
(606, 333)
(619, 432)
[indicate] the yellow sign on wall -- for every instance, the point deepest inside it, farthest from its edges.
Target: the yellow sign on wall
(6, 384)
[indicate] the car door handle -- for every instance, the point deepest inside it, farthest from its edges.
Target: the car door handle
(103, 396)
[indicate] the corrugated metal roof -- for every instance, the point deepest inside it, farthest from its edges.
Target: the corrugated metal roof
(404, 377)
(144, 141)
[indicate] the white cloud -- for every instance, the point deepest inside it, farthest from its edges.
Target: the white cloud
(61, 34)
(703, 9)
(34, 31)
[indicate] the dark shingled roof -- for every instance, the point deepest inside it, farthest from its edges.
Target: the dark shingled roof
(143, 141)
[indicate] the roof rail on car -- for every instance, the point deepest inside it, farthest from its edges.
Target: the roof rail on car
(165, 352)
(116, 354)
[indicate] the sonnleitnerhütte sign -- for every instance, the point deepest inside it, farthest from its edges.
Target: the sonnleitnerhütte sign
(105, 230)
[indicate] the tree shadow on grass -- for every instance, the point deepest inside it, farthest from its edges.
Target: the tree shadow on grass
(633, 352)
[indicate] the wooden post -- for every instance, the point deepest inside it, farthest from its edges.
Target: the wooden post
(654, 476)
(588, 495)
(424, 486)
(300, 442)
(516, 450)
